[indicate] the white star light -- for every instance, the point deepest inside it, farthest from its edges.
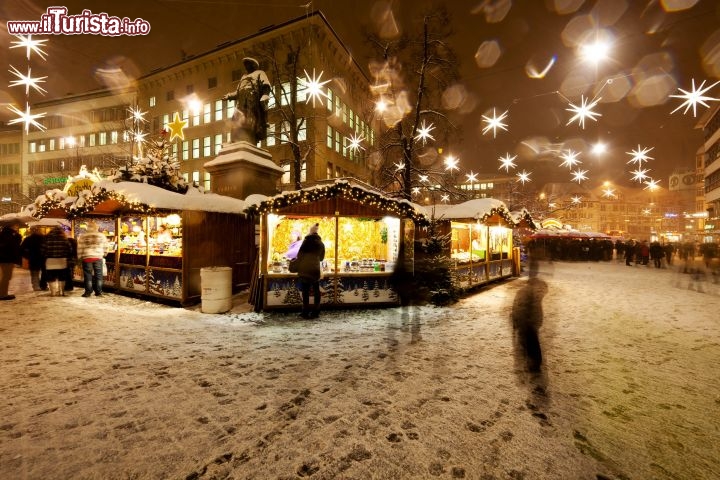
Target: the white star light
(451, 163)
(424, 132)
(399, 166)
(651, 184)
(26, 117)
(28, 80)
(445, 197)
(30, 45)
(640, 174)
(646, 211)
(576, 199)
(139, 136)
(314, 87)
(423, 178)
(579, 175)
(471, 177)
(507, 162)
(608, 192)
(415, 190)
(355, 142)
(494, 122)
(640, 155)
(137, 114)
(583, 111)
(523, 177)
(569, 159)
(694, 97)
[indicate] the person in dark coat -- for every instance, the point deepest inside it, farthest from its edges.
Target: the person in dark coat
(70, 270)
(32, 250)
(10, 256)
(56, 249)
(310, 254)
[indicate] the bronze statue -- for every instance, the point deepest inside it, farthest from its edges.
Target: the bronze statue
(251, 96)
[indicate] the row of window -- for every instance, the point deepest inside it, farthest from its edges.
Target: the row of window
(73, 164)
(9, 149)
(86, 140)
(109, 114)
(9, 169)
(8, 189)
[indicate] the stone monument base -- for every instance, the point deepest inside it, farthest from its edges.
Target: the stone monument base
(242, 169)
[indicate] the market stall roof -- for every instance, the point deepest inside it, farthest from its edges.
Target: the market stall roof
(19, 218)
(108, 197)
(345, 189)
(523, 218)
(480, 209)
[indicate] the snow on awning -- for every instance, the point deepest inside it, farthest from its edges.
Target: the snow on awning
(477, 209)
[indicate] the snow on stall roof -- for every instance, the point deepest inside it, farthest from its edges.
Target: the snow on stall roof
(164, 199)
(475, 208)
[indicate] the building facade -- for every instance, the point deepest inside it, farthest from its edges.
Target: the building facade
(11, 197)
(709, 160)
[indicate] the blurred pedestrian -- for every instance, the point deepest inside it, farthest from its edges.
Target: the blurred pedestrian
(310, 254)
(32, 250)
(91, 247)
(10, 256)
(56, 250)
(70, 270)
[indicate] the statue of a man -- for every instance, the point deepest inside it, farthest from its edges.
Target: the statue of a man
(251, 96)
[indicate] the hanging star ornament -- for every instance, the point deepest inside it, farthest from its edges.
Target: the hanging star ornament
(30, 45)
(176, 127)
(569, 159)
(507, 162)
(314, 86)
(692, 98)
(651, 184)
(26, 117)
(640, 155)
(137, 115)
(579, 175)
(451, 163)
(576, 199)
(27, 80)
(399, 166)
(583, 111)
(494, 122)
(355, 143)
(609, 192)
(640, 174)
(523, 177)
(424, 132)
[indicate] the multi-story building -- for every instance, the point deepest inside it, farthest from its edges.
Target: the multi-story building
(290, 54)
(87, 129)
(709, 166)
(94, 128)
(10, 169)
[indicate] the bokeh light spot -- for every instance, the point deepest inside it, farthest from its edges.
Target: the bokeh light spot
(487, 54)
(677, 5)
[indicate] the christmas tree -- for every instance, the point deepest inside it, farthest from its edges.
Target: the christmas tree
(433, 268)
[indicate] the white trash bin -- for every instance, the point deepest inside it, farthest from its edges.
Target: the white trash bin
(216, 283)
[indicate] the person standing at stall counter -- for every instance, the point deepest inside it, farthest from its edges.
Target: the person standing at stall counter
(91, 247)
(310, 254)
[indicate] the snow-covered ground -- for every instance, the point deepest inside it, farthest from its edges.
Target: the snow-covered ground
(120, 388)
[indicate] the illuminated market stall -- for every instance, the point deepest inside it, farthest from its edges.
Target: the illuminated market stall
(362, 231)
(481, 239)
(158, 240)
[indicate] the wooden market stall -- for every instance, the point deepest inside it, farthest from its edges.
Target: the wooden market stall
(362, 231)
(481, 240)
(158, 240)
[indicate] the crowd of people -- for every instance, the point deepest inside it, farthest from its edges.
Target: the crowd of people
(51, 258)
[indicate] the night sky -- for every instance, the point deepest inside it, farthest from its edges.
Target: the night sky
(654, 52)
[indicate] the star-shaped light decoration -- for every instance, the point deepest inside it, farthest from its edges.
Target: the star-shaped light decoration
(176, 127)
(424, 132)
(136, 114)
(445, 197)
(640, 155)
(640, 174)
(451, 163)
(27, 80)
(507, 162)
(415, 190)
(471, 177)
(523, 177)
(26, 117)
(355, 142)
(651, 185)
(569, 159)
(608, 192)
(494, 122)
(30, 45)
(139, 136)
(399, 166)
(692, 98)
(646, 211)
(423, 178)
(579, 175)
(314, 87)
(576, 199)
(583, 111)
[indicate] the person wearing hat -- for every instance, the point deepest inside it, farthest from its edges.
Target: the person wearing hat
(251, 97)
(10, 256)
(310, 254)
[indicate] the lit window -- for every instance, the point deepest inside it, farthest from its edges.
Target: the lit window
(284, 132)
(286, 174)
(207, 146)
(303, 172)
(207, 113)
(103, 138)
(207, 181)
(302, 129)
(152, 101)
(92, 139)
(218, 143)
(270, 141)
(302, 89)
(329, 137)
(52, 144)
(62, 143)
(230, 108)
(185, 150)
(330, 99)
(195, 148)
(218, 110)
(166, 121)
(114, 137)
(272, 103)
(329, 170)
(186, 177)
(196, 177)
(285, 94)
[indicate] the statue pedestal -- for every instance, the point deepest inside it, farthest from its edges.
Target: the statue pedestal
(241, 169)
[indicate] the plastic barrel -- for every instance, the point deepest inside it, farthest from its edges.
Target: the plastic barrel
(216, 283)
